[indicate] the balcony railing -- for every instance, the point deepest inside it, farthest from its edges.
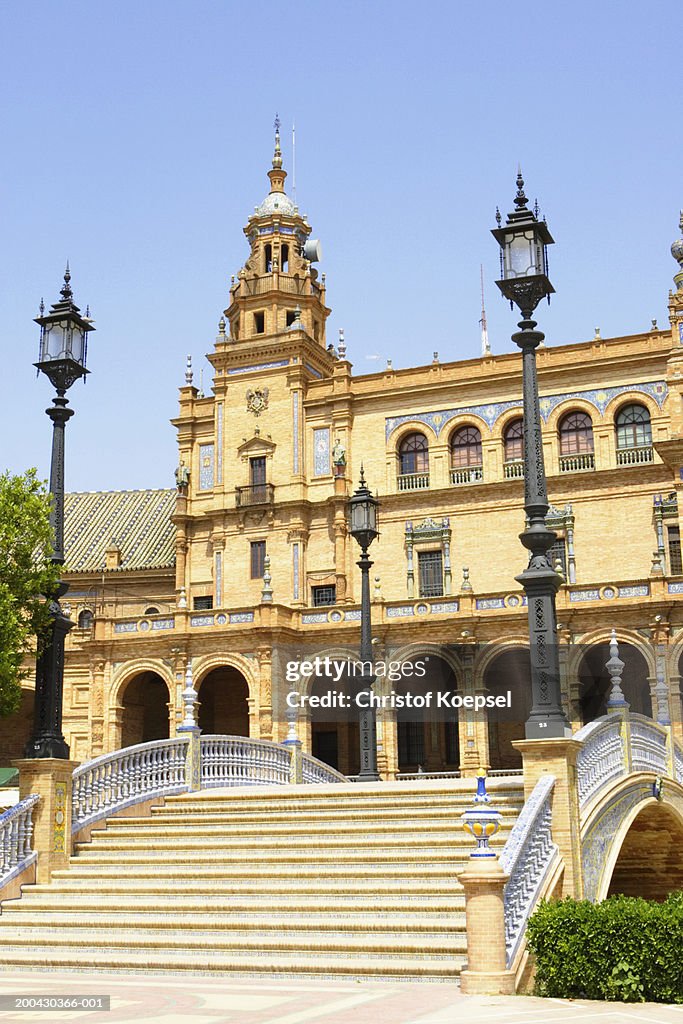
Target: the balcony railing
(635, 456)
(578, 463)
(413, 481)
(513, 470)
(255, 494)
(467, 475)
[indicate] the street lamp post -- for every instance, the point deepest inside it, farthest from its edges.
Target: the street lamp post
(363, 526)
(62, 358)
(523, 241)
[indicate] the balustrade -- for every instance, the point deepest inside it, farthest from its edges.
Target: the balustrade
(16, 830)
(237, 760)
(467, 475)
(527, 858)
(648, 746)
(577, 463)
(412, 481)
(601, 757)
(513, 470)
(635, 456)
(316, 771)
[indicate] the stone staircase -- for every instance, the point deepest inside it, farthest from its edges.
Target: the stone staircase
(338, 880)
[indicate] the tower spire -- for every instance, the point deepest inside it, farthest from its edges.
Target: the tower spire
(677, 253)
(485, 344)
(276, 174)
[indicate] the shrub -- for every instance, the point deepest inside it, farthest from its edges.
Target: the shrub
(621, 949)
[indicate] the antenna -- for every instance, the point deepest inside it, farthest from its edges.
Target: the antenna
(485, 344)
(294, 163)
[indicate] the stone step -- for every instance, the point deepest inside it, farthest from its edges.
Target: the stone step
(367, 818)
(53, 898)
(328, 965)
(444, 925)
(178, 871)
(264, 885)
(215, 853)
(420, 944)
(148, 828)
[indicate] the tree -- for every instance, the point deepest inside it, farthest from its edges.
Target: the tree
(26, 573)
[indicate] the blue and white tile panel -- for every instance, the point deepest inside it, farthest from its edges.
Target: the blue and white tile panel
(598, 397)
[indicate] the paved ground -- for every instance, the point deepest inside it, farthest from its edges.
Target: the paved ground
(201, 999)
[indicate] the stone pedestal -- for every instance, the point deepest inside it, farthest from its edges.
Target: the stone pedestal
(50, 778)
(486, 973)
(558, 757)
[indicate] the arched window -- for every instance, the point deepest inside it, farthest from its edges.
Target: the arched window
(466, 456)
(465, 448)
(513, 440)
(284, 258)
(151, 611)
(268, 258)
(634, 429)
(413, 454)
(576, 434)
(85, 619)
(413, 463)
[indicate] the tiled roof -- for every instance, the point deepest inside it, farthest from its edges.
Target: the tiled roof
(138, 522)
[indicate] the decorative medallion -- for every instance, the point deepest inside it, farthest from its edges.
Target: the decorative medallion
(257, 400)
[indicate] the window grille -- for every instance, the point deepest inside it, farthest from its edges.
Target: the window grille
(324, 595)
(430, 564)
(258, 559)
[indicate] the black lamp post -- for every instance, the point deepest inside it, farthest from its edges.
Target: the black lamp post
(363, 526)
(524, 281)
(62, 358)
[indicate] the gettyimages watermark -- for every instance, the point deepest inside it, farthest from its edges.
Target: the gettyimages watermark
(489, 682)
(339, 670)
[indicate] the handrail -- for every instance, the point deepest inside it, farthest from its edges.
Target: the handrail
(129, 776)
(601, 757)
(527, 858)
(316, 771)
(648, 745)
(16, 831)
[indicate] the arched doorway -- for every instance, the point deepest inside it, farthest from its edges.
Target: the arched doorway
(509, 670)
(224, 702)
(145, 710)
(335, 738)
(594, 681)
(428, 738)
(650, 861)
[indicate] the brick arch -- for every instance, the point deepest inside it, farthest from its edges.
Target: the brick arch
(630, 398)
(126, 673)
(501, 424)
(572, 405)
(629, 822)
(204, 664)
(625, 639)
(466, 419)
(415, 426)
(603, 636)
(491, 651)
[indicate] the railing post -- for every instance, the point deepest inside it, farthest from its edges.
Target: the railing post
(484, 881)
(558, 757)
(51, 779)
(193, 757)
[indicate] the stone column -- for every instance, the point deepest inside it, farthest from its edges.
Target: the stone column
(265, 697)
(486, 972)
(97, 707)
(50, 778)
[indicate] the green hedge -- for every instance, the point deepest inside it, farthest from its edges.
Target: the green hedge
(623, 949)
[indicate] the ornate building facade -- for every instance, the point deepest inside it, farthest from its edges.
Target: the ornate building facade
(248, 560)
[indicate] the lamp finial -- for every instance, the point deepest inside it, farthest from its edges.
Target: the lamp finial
(520, 199)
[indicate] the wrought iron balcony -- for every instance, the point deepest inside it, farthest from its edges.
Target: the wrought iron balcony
(255, 494)
(467, 475)
(412, 481)
(578, 463)
(635, 456)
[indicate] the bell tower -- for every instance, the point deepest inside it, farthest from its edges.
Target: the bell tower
(278, 288)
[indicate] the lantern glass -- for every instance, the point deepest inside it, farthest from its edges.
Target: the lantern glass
(522, 255)
(78, 344)
(53, 341)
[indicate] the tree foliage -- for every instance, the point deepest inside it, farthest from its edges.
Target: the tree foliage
(26, 573)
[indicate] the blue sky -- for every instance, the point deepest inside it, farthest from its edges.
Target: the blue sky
(137, 137)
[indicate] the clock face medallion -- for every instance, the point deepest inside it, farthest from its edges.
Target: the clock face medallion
(257, 400)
